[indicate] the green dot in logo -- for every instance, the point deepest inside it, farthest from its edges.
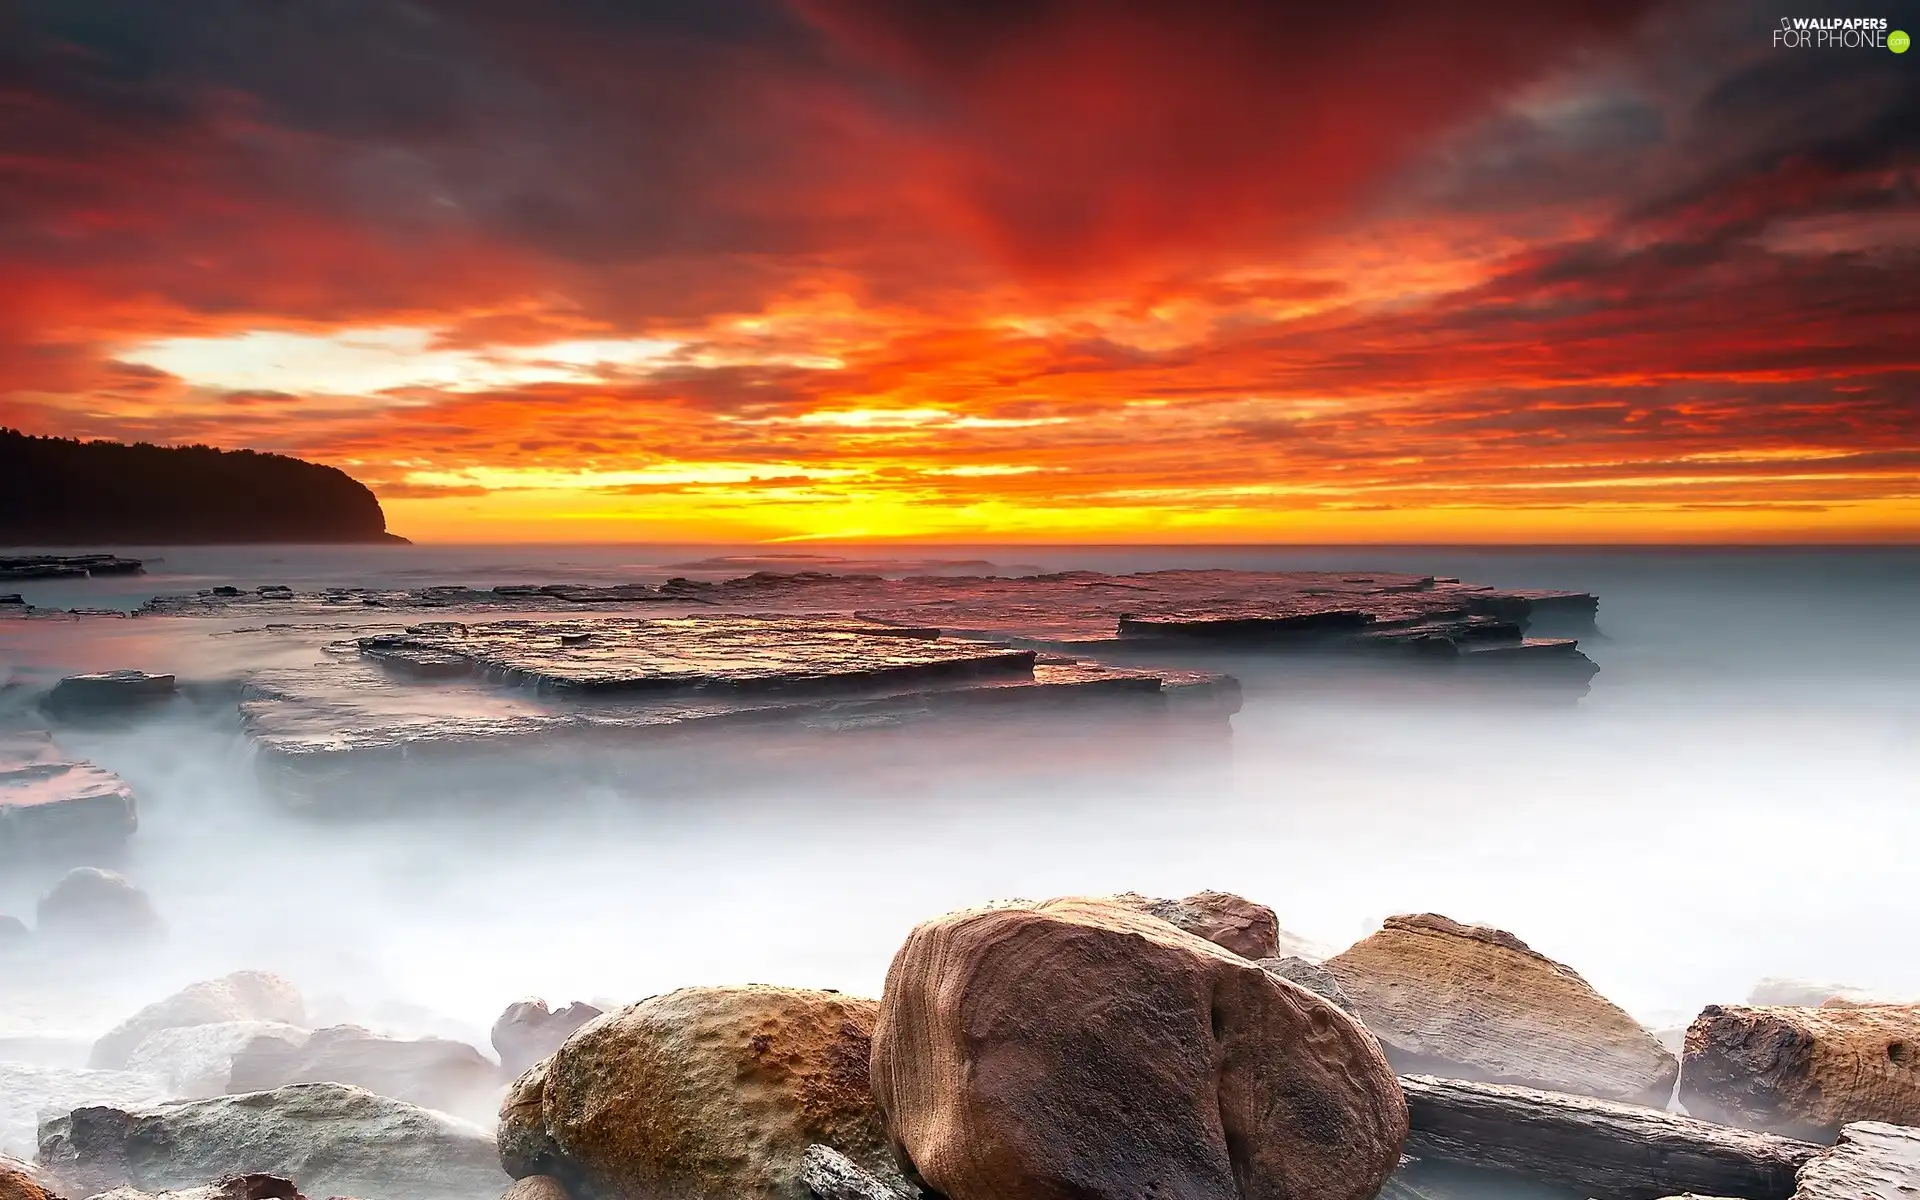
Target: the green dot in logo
(1898, 41)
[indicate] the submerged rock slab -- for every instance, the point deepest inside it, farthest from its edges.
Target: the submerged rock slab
(67, 566)
(51, 801)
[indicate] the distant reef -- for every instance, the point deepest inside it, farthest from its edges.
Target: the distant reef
(57, 491)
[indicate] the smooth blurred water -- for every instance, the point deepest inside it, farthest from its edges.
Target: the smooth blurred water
(1736, 797)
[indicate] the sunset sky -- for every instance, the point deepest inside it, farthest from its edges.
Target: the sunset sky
(979, 270)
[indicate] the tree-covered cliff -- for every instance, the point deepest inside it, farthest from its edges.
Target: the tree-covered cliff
(56, 491)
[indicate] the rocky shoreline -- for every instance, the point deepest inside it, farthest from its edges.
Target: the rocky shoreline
(1113, 1047)
(709, 684)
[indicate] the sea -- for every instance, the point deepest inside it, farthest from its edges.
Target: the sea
(1737, 796)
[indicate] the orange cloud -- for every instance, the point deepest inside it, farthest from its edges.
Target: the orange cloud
(1071, 270)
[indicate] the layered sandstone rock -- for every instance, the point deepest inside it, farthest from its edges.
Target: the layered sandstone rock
(1804, 1071)
(240, 996)
(336, 1140)
(1871, 1161)
(1082, 1048)
(701, 1092)
(529, 1031)
(1468, 1002)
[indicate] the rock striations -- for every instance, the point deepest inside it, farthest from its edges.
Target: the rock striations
(1478, 1003)
(1083, 1048)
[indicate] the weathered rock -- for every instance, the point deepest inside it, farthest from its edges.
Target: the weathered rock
(89, 904)
(30, 1091)
(702, 1092)
(1234, 922)
(1014, 1041)
(336, 1140)
(105, 692)
(1309, 975)
(1476, 1003)
(528, 1031)
(241, 996)
(24, 1181)
(49, 802)
(13, 933)
(1783, 991)
(1872, 1161)
(1595, 1147)
(525, 1148)
(197, 1060)
(1804, 1071)
(235, 1187)
(431, 1072)
(831, 1175)
(536, 1187)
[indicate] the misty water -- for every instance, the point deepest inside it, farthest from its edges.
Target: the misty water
(1737, 796)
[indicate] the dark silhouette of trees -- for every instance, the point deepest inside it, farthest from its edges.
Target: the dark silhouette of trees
(57, 491)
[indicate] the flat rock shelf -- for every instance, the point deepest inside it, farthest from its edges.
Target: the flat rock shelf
(506, 699)
(507, 684)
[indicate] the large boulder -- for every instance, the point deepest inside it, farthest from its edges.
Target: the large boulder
(529, 1031)
(89, 904)
(431, 1072)
(1081, 1048)
(714, 1091)
(29, 1092)
(1248, 929)
(1804, 1072)
(336, 1140)
(1469, 1002)
(197, 1061)
(14, 933)
(241, 996)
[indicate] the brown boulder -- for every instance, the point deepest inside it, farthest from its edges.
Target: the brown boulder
(1080, 1049)
(528, 1031)
(714, 1091)
(1235, 922)
(1804, 1072)
(1469, 1002)
(23, 1181)
(536, 1187)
